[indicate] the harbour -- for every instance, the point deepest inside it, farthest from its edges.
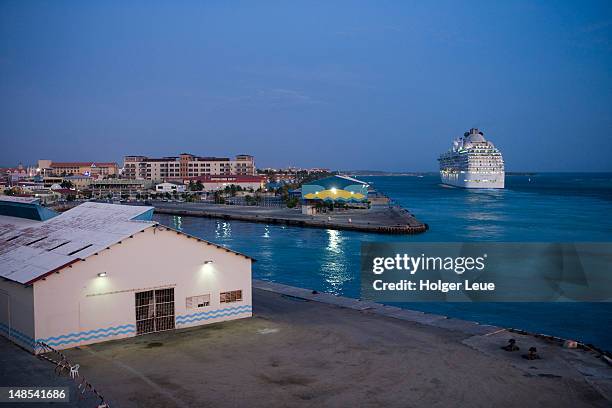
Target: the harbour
(299, 204)
(552, 207)
(379, 219)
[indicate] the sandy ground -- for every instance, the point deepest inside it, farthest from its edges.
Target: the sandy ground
(296, 353)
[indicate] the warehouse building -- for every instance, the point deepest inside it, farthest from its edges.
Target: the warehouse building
(101, 271)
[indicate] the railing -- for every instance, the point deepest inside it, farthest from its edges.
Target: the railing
(64, 366)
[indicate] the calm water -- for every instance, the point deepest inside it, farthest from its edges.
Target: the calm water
(545, 207)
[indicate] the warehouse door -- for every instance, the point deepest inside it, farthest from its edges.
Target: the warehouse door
(154, 310)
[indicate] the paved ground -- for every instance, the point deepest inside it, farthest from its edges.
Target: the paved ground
(19, 368)
(297, 353)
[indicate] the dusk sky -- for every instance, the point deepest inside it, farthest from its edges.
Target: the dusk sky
(346, 85)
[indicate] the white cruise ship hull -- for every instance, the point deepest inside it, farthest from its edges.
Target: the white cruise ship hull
(473, 180)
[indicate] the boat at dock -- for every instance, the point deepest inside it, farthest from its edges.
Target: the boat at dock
(472, 162)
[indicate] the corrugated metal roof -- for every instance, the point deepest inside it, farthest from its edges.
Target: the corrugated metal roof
(29, 251)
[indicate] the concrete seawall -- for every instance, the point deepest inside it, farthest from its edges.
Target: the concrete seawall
(383, 220)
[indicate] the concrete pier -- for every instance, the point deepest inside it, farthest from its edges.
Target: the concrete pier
(378, 219)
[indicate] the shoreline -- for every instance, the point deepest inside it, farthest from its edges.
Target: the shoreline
(381, 219)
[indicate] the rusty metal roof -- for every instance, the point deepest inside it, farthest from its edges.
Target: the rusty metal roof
(32, 250)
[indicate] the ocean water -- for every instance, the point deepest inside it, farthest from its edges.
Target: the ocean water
(538, 208)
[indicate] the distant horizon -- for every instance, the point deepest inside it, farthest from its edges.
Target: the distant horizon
(343, 85)
(259, 167)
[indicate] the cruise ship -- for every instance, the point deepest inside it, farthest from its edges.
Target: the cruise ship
(472, 162)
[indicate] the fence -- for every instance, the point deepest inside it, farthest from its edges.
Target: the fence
(64, 366)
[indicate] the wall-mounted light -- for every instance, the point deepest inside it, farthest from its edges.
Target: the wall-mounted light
(333, 190)
(102, 274)
(208, 262)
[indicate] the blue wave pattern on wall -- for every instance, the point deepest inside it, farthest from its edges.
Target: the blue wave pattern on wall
(77, 337)
(16, 334)
(213, 314)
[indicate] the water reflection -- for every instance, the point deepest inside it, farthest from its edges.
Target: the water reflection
(483, 216)
(177, 222)
(266, 232)
(335, 268)
(334, 238)
(223, 230)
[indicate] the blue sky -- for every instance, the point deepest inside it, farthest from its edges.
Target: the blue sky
(348, 85)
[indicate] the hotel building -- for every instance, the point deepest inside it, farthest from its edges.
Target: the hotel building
(186, 165)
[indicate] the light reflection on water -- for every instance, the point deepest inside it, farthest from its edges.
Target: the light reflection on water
(334, 241)
(223, 230)
(177, 222)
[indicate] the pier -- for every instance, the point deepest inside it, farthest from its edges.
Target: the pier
(381, 219)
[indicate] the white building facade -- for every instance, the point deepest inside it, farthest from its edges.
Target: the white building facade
(134, 277)
(170, 188)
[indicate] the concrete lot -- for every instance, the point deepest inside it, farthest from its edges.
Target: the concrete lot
(300, 353)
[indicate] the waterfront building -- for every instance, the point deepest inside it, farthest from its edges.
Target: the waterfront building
(101, 271)
(336, 188)
(212, 183)
(186, 165)
(12, 175)
(79, 182)
(472, 162)
(332, 190)
(96, 169)
(49, 181)
(168, 187)
(118, 187)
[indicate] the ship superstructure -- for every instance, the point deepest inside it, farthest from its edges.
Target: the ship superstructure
(472, 162)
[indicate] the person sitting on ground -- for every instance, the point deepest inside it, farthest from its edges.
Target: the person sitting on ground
(532, 354)
(511, 346)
